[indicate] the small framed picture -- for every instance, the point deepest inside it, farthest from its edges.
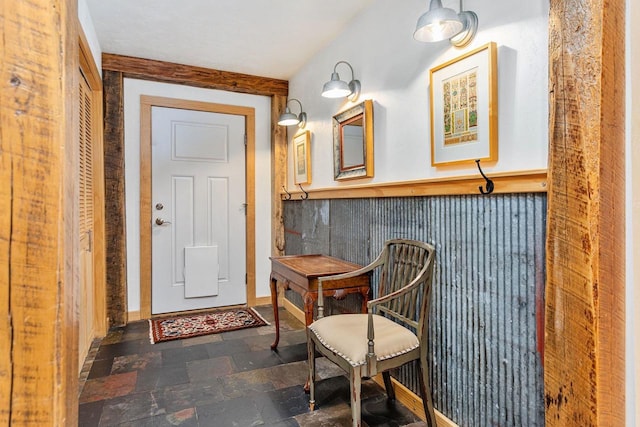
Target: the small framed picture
(302, 158)
(464, 108)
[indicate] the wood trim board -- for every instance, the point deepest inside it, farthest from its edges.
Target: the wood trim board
(133, 316)
(534, 181)
(293, 309)
(90, 71)
(634, 165)
(413, 402)
(262, 301)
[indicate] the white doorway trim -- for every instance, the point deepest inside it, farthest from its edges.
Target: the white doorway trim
(146, 102)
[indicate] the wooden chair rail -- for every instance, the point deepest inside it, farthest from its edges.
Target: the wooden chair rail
(533, 181)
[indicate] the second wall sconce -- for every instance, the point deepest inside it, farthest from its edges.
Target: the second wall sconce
(440, 23)
(336, 88)
(289, 119)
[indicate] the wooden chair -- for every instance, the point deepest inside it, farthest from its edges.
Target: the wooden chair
(392, 333)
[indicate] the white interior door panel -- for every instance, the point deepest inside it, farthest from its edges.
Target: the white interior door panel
(198, 201)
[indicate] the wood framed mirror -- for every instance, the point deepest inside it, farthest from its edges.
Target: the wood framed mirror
(353, 142)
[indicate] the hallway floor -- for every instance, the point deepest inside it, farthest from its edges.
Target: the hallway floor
(228, 379)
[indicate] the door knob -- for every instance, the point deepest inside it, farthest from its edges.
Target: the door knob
(160, 221)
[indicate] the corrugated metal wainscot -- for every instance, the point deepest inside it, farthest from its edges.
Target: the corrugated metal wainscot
(486, 332)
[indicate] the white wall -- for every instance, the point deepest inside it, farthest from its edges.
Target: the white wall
(394, 71)
(90, 33)
(132, 91)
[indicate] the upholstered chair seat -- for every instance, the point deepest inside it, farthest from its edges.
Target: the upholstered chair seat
(346, 335)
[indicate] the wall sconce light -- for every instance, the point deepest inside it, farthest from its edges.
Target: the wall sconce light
(289, 119)
(336, 88)
(440, 23)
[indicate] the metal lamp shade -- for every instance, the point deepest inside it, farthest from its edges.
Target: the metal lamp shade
(288, 118)
(336, 88)
(439, 23)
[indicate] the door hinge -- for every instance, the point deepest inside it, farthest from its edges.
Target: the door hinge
(245, 278)
(245, 139)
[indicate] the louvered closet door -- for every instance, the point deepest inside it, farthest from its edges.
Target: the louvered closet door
(86, 205)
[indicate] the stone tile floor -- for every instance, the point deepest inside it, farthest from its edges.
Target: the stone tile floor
(228, 379)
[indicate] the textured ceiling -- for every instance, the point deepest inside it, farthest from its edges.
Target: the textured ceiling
(271, 38)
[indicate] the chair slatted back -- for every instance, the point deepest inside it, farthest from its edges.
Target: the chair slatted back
(404, 261)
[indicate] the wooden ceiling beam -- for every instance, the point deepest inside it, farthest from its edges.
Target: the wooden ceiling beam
(169, 72)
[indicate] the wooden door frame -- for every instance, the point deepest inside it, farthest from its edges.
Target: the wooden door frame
(117, 67)
(634, 317)
(249, 114)
(92, 76)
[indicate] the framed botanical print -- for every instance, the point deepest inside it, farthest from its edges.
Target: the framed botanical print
(464, 108)
(302, 158)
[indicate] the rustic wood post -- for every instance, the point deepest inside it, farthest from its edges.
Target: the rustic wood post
(39, 214)
(584, 346)
(115, 222)
(278, 173)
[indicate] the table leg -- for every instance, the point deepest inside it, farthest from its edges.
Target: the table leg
(364, 291)
(276, 318)
(309, 300)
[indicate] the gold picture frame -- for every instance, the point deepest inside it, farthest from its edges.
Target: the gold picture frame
(302, 158)
(464, 108)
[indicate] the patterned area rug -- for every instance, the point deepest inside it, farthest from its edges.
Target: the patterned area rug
(175, 328)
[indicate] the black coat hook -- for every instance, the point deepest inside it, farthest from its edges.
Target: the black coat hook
(306, 195)
(489, 182)
(288, 196)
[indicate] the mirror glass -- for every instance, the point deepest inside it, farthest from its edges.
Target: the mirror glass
(353, 142)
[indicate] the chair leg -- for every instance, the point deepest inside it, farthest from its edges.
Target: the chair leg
(355, 381)
(425, 393)
(311, 354)
(388, 385)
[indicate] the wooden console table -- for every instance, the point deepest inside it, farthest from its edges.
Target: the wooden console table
(300, 273)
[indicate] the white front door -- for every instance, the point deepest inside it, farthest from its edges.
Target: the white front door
(198, 210)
